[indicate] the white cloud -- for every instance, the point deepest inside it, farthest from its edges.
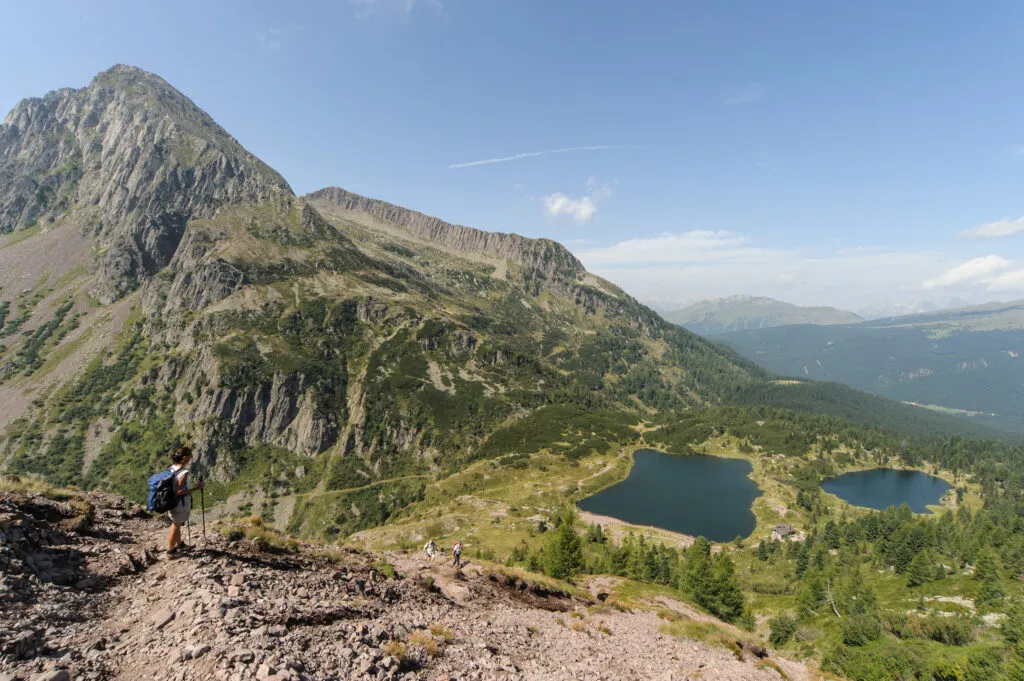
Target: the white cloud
(673, 269)
(1007, 281)
(994, 230)
(751, 93)
(581, 210)
(980, 270)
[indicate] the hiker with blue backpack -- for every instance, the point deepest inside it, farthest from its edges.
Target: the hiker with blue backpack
(170, 492)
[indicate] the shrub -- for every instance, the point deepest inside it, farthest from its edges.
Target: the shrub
(782, 629)
(896, 623)
(954, 631)
(859, 630)
(386, 569)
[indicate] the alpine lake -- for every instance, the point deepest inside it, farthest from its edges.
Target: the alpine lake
(880, 488)
(696, 495)
(712, 496)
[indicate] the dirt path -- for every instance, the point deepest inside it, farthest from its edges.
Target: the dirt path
(89, 596)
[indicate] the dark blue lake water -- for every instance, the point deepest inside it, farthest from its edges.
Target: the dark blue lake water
(696, 495)
(881, 488)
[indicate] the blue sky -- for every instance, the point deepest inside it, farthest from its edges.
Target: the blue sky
(860, 154)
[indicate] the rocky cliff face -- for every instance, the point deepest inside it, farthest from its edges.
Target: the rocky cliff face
(134, 159)
(544, 256)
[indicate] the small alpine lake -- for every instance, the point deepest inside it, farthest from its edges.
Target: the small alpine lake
(705, 496)
(880, 488)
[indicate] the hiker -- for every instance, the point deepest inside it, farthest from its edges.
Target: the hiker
(431, 550)
(457, 553)
(179, 514)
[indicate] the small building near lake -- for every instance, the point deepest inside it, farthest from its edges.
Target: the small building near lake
(783, 531)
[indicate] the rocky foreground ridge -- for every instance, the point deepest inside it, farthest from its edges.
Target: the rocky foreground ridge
(85, 593)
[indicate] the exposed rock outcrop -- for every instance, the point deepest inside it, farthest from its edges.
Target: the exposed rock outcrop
(544, 256)
(135, 158)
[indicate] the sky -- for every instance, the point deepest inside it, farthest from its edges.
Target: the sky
(867, 155)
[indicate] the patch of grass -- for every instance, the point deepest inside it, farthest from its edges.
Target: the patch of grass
(425, 642)
(397, 650)
(704, 631)
(18, 237)
(63, 351)
(441, 632)
(31, 484)
(770, 664)
(386, 569)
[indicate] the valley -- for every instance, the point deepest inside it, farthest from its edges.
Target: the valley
(353, 373)
(961, 362)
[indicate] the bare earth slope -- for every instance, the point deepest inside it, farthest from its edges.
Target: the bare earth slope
(83, 596)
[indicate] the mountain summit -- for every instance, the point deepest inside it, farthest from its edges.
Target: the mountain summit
(736, 313)
(129, 159)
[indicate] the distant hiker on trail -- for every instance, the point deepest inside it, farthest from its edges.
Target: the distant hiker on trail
(180, 512)
(457, 553)
(431, 550)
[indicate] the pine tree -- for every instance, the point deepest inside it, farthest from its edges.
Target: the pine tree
(762, 551)
(697, 578)
(726, 596)
(987, 572)
(563, 553)
(832, 539)
(803, 561)
(920, 569)
(1013, 625)
(811, 594)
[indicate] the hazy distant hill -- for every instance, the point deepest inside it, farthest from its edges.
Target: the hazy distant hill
(968, 359)
(737, 313)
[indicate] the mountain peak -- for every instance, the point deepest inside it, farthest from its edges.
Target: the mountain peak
(739, 312)
(129, 158)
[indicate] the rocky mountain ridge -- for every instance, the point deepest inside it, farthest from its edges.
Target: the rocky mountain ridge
(132, 161)
(544, 256)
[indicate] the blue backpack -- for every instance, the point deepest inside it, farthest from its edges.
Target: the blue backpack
(163, 493)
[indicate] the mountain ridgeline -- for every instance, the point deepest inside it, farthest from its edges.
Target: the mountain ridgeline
(967, 361)
(737, 313)
(159, 285)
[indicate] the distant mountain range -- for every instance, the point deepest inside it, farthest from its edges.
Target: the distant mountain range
(967, 361)
(737, 313)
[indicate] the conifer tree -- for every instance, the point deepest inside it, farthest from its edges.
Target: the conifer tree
(563, 553)
(920, 569)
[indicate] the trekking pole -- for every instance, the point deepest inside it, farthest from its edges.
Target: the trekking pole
(202, 506)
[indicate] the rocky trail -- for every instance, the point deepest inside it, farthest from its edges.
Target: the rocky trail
(86, 593)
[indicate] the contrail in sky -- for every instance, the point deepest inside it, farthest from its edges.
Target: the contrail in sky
(531, 154)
